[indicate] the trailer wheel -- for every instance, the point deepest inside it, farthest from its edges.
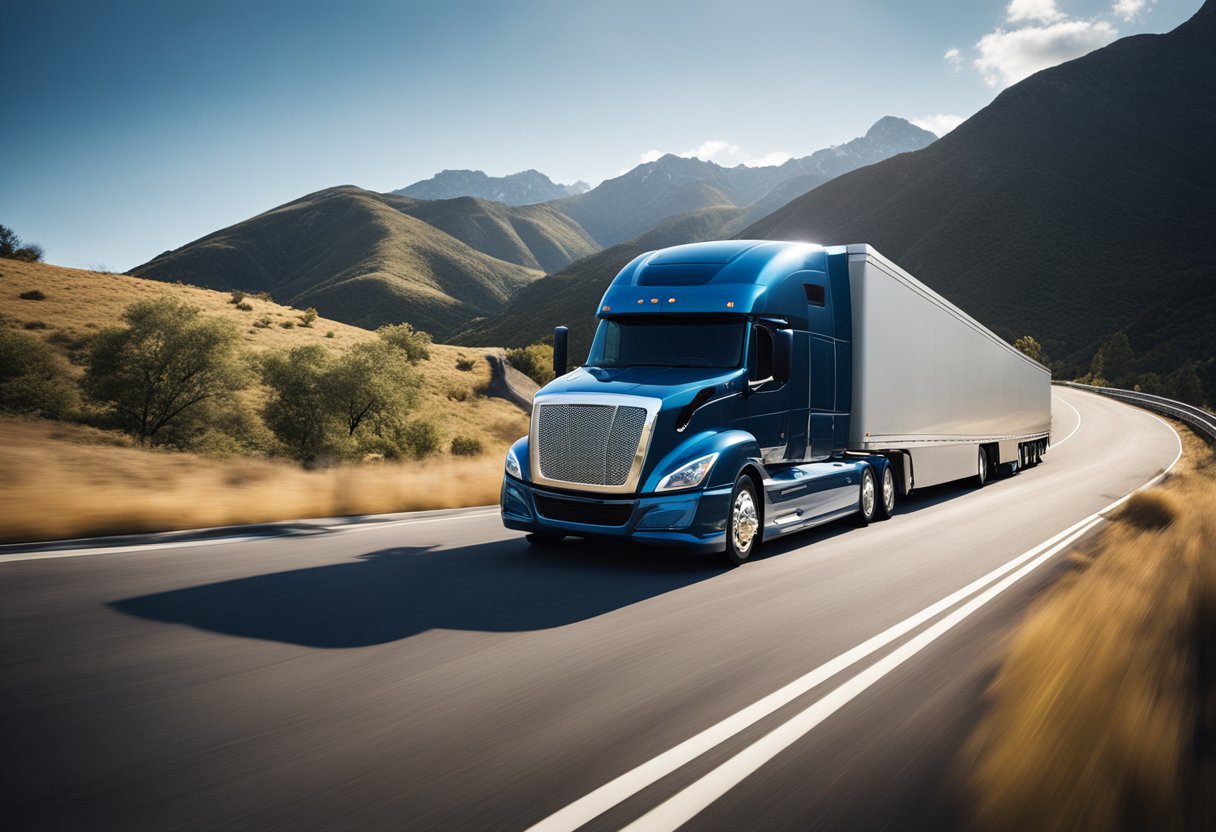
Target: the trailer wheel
(868, 499)
(544, 538)
(742, 522)
(886, 503)
(981, 475)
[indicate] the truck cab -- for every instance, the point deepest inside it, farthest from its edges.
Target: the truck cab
(712, 411)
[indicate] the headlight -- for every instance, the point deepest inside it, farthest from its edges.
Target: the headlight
(688, 476)
(512, 465)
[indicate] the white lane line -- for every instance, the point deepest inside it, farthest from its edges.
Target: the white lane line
(1075, 428)
(682, 807)
(186, 544)
(595, 803)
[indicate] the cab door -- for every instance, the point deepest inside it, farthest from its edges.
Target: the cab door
(767, 403)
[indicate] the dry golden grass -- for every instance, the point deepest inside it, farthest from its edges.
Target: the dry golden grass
(70, 481)
(62, 480)
(1110, 680)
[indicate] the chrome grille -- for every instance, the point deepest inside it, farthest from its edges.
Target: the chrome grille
(591, 444)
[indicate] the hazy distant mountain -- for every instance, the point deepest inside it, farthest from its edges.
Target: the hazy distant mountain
(354, 255)
(1066, 208)
(622, 208)
(523, 188)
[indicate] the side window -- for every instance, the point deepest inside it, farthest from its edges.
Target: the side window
(760, 354)
(612, 342)
(814, 294)
(823, 375)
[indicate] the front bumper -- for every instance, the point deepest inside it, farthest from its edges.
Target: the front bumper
(694, 520)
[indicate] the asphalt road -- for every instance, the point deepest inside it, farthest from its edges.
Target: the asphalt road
(437, 673)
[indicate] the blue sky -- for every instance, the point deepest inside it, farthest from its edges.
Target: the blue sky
(135, 127)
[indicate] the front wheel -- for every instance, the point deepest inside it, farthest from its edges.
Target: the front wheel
(743, 521)
(868, 505)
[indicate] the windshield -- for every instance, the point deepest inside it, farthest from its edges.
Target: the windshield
(669, 341)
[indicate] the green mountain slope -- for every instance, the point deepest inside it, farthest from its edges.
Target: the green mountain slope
(355, 257)
(1065, 208)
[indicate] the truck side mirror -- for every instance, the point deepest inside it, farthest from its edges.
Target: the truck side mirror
(783, 354)
(559, 350)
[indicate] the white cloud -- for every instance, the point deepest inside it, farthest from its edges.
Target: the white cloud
(953, 57)
(939, 123)
(1040, 11)
(722, 152)
(1130, 9)
(1007, 57)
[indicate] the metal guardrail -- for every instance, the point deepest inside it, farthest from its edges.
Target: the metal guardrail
(1202, 422)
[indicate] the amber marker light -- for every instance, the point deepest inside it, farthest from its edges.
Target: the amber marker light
(730, 304)
(671, 300)
(607, 308)
(654, 300)
(640, 300)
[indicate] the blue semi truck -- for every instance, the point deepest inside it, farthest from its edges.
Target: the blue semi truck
(738, 391)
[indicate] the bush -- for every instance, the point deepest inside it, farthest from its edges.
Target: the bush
(419, 438)
(465, 364)
(245, 306)
(32, 378)
(1149, 510)
(456, 393)
(163, 366)
(329, 334)
(238, 297)
(264, 296)
(414, 343)
(11, 247)
(307, 317)
(287, 324)
(535, 361)
(32, 294)
(34, 325)
(264, 322)
(466, 446)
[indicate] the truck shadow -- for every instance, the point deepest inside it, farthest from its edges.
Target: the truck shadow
(392, 594)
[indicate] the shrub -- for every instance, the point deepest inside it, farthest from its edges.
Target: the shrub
(466, 446)
(1149, 510)
(11, 247)
(263, 296)
(465, 364)
(535, 361)
(163, 366)
(32, 379)
(329, 334)
(307, 317)
(414, 343)
(238, 297)
(263, 322)
(419, 438)
(34, 325)
(245, 306)
(32, 294)
(288, 324)
(456, 393)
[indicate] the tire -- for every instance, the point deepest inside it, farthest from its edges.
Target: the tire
(983, 472)
(867, 498)
(886, 494)
(742, 522)
(545, 538)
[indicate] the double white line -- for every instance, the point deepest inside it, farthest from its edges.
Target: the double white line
(687, 803)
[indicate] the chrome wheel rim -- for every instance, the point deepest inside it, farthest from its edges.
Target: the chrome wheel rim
(744, 522)
(983, 466)
(867, 495)
(888, 491)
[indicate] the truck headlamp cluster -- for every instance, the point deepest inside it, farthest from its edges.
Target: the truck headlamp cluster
(512, 465)
(688, 476)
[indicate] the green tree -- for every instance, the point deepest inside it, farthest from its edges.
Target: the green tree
(298, 411)
(32, 378)
(1031, 348)
(307, 317)
(535, 361)
(1187, 386)
(12, 248)
(414, 343)
(371, 384)
(163, 366)
(1117, 359)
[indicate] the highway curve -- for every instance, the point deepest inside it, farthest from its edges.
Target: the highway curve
(435, 672)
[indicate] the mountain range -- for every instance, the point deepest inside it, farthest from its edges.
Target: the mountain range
(1081, 202)
(523, 188)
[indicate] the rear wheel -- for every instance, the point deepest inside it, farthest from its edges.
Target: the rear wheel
(868, 503)
(886, 502)
(545, 538)
(743, 521)
(981, 473)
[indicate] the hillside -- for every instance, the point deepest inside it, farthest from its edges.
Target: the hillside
(622, 208)
(355, 257)
(1065, 208)
(533, 236)
(523, 188)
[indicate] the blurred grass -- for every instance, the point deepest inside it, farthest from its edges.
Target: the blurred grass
(1103, 714)
(65, 480)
